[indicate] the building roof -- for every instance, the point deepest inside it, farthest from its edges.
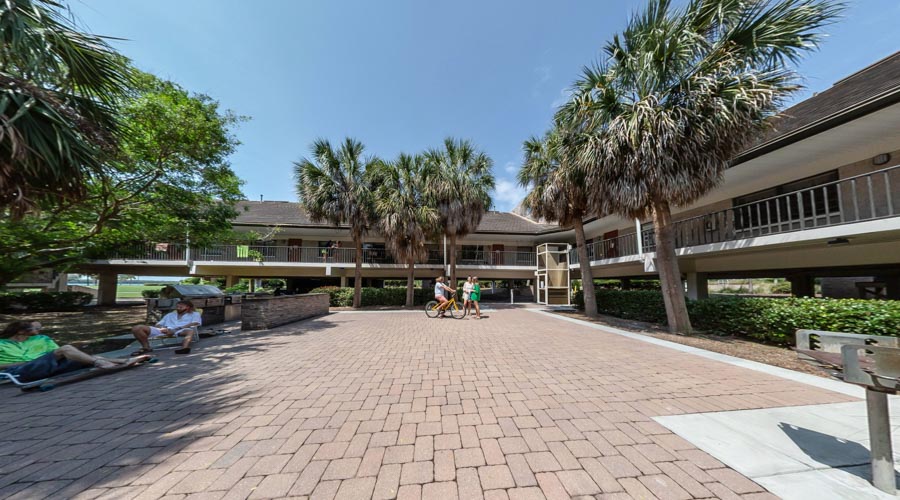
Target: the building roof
(872, 88)
(267, 213)
(286, 213)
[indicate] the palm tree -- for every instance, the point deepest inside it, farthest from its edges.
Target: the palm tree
(683, 92)
(460, 184)
(406, 218)
(58, 93)
(334, 186)
(558, 192)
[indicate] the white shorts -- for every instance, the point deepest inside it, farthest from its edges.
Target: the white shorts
(156, 332)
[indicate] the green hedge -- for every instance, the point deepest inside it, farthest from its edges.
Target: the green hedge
(769, 319)
(43, 301)
(392, 296)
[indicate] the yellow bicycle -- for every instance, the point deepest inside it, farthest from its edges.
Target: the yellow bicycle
(433, 308)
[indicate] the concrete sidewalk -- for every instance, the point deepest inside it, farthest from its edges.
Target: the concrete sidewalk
(517, 405)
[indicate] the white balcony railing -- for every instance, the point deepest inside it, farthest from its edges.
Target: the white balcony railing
(305, 255)
(865, 197)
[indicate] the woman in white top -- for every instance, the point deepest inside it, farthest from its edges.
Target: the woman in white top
(467, 292)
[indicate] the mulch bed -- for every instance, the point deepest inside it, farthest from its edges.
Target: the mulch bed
(88, 329)
(738, 347)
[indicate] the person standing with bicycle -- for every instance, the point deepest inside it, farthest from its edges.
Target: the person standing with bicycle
(439, 288)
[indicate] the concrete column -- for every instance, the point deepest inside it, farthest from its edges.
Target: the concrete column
(343, 282)
(61, 284)
(106, 289)
(231, 281)
(892, 283)
(803, 286)
(697, 288)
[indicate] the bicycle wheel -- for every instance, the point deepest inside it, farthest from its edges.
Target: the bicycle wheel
(457, 312)
(431, 309)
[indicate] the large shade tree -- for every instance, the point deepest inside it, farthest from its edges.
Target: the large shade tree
(682, 92)
(169, 175)
(558, 192)
(406, 216)
(460, 185)
(59, 88)
(333, 185)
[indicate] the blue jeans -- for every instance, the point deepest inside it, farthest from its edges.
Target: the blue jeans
(44, 367)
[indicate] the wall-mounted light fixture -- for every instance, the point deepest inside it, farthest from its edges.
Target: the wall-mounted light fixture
(839, 241)
(881, 159)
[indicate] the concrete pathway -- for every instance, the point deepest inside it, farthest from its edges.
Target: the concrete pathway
(816, 452)
(517, 405)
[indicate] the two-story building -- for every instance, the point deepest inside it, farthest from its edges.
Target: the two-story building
(818, 197)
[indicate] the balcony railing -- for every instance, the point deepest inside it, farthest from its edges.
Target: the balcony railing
(865, 197)
(498, 258)
(150, 251)
(305, 255)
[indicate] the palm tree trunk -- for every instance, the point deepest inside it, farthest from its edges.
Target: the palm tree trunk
(587, 276)
(357, 273)
(452, 258)
(411, 283)
(669, 272)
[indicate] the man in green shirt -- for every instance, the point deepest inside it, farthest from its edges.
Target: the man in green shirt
(30, 356)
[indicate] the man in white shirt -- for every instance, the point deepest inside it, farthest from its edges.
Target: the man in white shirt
(182, 322)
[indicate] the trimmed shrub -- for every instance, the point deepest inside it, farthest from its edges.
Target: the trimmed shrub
(243, 286)
(781, 287)
(391, 296)
(151, 294)
(43, 301)
(769, 319)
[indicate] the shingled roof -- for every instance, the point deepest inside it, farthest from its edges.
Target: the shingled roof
(286, 213)
(869, 89)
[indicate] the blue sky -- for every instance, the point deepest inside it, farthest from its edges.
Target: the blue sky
(402, 75)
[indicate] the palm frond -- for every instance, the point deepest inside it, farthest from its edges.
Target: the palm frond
(59, 89)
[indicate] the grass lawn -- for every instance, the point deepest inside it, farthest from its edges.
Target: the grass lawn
(133, 291)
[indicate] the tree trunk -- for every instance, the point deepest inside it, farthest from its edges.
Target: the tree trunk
(357, 273)
(452, 258)
(411, 283)
(669, 272)
(587, 276)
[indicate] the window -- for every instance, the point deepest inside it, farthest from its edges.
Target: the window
(471, 253)
(771, 207)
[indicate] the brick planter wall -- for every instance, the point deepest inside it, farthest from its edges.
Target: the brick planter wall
(261, 313)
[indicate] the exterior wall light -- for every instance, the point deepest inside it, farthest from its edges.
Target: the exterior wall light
(839, 241)
(881, 159)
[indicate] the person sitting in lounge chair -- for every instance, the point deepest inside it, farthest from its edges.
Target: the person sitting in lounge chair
(29, 356)
(182, 322)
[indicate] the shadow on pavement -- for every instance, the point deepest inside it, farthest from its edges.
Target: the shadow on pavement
(831, 451)
(135, 427)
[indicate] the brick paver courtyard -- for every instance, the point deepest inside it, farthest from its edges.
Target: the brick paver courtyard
(519, 405)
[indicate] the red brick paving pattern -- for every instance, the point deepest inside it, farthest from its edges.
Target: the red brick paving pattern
(388, 405)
